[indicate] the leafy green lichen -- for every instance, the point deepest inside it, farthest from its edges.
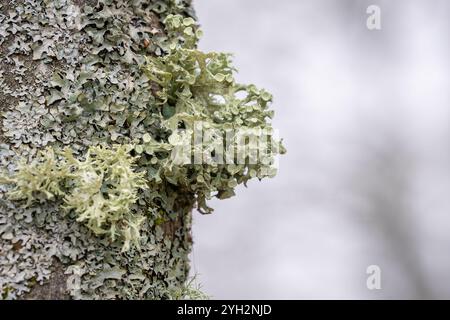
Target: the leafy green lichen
(199, 88)
(117, 88)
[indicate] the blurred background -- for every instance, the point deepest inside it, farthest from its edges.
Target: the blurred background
(366, 180)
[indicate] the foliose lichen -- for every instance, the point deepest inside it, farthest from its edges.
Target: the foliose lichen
(93, 94)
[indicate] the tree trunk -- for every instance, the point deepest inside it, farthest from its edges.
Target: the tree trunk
(69, 74)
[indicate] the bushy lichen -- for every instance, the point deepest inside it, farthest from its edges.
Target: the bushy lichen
(101, 189)
(111, 85)
(39, 180)
(191, 290)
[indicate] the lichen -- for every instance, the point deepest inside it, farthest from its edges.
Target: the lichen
(199, 88)
(92, 99)
(190, 290)
(100, 190)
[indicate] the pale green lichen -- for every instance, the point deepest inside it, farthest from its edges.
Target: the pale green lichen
(191, 290)
(39, 180)
(199, 87)
(107, 72)
(101, 189)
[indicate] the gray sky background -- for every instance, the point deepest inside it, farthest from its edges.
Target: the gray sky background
(366, 180)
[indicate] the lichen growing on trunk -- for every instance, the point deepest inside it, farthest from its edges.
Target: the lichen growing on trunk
(92, 96)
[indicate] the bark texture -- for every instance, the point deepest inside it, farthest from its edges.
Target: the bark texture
(70, 76)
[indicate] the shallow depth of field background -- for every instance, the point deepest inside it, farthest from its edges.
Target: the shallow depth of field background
(366, 180)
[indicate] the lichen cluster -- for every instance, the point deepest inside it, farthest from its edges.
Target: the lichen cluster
(94, 94)
(101, 190)
(197, 87)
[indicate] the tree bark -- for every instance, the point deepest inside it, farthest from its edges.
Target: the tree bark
(54, 54)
